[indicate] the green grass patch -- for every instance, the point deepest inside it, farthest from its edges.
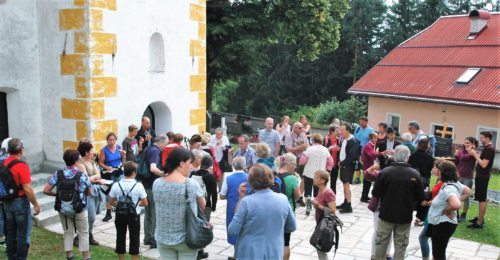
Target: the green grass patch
(494, 183)
(49, 245)
(489, 234)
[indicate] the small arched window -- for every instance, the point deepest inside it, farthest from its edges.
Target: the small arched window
(156, 53)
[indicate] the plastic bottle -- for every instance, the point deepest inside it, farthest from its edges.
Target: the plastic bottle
(308, 205)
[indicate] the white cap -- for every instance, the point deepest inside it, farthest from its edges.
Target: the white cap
(5, 143)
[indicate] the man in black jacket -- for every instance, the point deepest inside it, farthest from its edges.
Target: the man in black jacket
(389, 144)
(208, 185)
(398, 186)
(146, 132)
(349, 153)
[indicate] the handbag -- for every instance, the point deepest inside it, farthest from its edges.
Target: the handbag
(198, 230)
(373, 205)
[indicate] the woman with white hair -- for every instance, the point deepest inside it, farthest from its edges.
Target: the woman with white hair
(229, 191)
(290, 187)
(408, 143)
(219, 144)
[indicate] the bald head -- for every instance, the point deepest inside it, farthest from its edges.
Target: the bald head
(269, 123)
(145, 122)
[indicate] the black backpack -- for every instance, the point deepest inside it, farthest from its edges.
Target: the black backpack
(125, 206)
(326, 234)
(143, 166)
(9, 190)
(68, 201)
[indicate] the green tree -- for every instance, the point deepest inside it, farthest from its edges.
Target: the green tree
(221, 94)
(362, 31)
(401, 23)
(245, 36)
(348, 110)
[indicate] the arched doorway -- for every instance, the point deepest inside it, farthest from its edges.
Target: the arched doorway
(4, 117)
(161, 118)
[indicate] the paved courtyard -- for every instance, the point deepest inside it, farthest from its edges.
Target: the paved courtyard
(355, 240)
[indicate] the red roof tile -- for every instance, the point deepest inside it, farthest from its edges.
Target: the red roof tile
(427, 65)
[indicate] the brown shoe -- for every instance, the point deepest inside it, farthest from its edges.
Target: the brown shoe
(92, 241)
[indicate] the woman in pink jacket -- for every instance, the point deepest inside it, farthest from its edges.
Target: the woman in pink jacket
(368, 157)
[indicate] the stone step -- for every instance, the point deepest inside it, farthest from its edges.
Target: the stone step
(47, 215)
(46, 203)
(38, 190)
(39, 179)
(46, 218)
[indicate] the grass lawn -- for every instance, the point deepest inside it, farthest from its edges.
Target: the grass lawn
(489, 234)
(494, 183)
(48, 245)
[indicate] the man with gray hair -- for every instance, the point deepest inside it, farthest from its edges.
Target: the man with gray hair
(398, 187)
(414, 129)
(243, 150)
(153, 159)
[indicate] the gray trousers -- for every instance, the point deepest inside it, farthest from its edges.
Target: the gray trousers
(383, 238)
(468, 183)
(150, 219)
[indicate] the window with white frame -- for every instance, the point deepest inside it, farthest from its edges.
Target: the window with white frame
(438, 130)
(393, 120)
(494, 131)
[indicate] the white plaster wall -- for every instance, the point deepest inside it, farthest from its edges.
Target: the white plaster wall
(20, 75)
(134, 22)
(54, 86)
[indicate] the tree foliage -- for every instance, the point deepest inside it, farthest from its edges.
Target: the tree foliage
(275, 57)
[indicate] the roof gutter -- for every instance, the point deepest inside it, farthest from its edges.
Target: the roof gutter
(436, 100)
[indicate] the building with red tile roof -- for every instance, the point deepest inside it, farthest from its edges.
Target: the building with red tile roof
(447, 74)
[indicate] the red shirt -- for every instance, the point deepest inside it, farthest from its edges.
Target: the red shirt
(21, 173)
(334, 148)
(323, 199)
(166, 152)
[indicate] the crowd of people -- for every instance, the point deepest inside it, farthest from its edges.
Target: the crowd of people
(263, 183)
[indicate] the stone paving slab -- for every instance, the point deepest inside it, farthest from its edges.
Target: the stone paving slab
(355, 241)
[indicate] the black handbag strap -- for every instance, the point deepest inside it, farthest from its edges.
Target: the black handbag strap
(186, 192)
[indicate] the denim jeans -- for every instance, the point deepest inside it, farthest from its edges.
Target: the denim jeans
(93, 204)
(2, 234)
(17, 227)
(424, 241)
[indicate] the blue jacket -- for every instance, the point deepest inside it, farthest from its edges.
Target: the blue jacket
(261, 221)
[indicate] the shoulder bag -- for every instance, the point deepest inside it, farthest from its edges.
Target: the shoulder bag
(198, 230)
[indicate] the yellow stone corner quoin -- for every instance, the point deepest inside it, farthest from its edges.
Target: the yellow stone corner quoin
(92, 87)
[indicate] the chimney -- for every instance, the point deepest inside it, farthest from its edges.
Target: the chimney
(478, 21)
